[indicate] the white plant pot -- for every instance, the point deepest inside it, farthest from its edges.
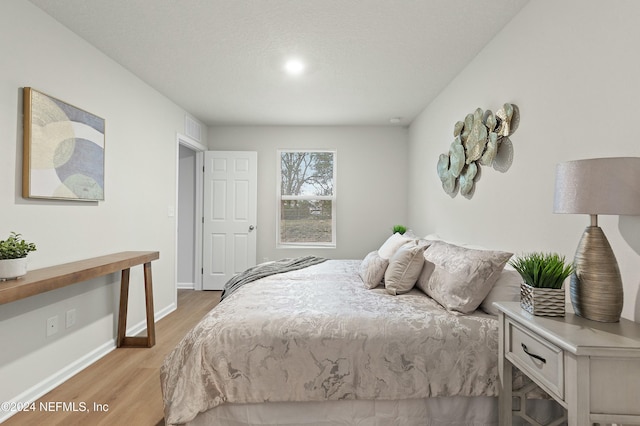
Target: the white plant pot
(13, 268)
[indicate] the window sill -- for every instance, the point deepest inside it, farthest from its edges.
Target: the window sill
(306, 246)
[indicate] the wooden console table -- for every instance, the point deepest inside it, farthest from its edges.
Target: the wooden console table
(46, 279)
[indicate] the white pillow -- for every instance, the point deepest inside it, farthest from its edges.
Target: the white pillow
(404, 268)
(393, 243)
(462, 277)
(506, 289)
(372, 269)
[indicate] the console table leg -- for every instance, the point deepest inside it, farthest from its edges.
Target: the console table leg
(124, 303)
(148, 291)
(136, 342)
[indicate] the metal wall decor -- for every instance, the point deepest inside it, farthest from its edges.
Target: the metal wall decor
(482, 139)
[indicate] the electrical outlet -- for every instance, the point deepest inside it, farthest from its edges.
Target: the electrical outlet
(70, 319)
(52, 326)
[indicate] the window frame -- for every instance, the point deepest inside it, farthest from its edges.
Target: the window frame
(280, 198)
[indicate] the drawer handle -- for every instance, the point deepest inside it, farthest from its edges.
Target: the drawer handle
(538, 357)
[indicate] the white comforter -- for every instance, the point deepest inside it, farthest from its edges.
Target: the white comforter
(318, 334)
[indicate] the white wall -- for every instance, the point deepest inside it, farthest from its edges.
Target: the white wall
(572, 67)
(371, 187)
(140, 164)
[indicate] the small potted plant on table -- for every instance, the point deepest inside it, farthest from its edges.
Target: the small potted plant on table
(399, 229)
(543, 275)
(13, 256)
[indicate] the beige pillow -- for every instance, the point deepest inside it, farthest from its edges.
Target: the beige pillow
(404, 268)
(393, 243)
(462, 277)
(372, 269)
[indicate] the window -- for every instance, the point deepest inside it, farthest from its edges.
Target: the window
(306, 199)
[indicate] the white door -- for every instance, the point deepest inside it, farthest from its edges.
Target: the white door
(230, 200)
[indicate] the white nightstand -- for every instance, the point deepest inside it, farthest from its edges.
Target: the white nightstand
(592, 369)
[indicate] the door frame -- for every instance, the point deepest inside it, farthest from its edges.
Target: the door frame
(197, 252)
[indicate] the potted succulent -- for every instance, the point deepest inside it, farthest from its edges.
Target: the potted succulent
(13, 256)
(400, 229)
(543, 275)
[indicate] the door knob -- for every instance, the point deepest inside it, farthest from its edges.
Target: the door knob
(251, 227)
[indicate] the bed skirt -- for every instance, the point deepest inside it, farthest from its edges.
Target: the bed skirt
(446, 411)
(443, 411)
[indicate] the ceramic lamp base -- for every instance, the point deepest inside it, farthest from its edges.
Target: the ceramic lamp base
(596, 285)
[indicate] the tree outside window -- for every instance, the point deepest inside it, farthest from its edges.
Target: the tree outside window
(307, 195)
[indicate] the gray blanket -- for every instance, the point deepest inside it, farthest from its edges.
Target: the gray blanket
(266, 269)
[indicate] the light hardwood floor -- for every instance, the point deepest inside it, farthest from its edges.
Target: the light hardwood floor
(126, 381)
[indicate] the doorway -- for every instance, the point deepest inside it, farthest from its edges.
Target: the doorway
(189, 213)
(230, 229)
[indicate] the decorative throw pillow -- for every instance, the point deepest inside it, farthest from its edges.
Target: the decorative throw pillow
(372, 269)
(462, 277)
(506, 289)
(393, 243)
(404, 268)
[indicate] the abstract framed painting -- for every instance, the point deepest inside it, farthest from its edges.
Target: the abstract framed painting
(63, 155)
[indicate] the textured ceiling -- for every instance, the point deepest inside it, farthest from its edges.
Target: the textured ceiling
(221, 60)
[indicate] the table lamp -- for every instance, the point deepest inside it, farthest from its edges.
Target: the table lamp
(597, 186)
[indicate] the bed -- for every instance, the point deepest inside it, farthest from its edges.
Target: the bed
(321, 346)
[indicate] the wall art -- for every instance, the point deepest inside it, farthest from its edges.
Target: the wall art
(482, 139)
(63, 150)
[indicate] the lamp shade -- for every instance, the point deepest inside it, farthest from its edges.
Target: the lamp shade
(598, 186)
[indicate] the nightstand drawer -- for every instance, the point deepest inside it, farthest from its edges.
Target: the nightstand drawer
(541, 360)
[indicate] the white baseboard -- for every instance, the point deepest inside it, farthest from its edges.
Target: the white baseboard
(163, 312)
(142, 325)
(186, 286)
(56, 379)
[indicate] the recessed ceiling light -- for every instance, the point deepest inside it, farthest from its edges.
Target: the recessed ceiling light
(294, 67)
(395, 120)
